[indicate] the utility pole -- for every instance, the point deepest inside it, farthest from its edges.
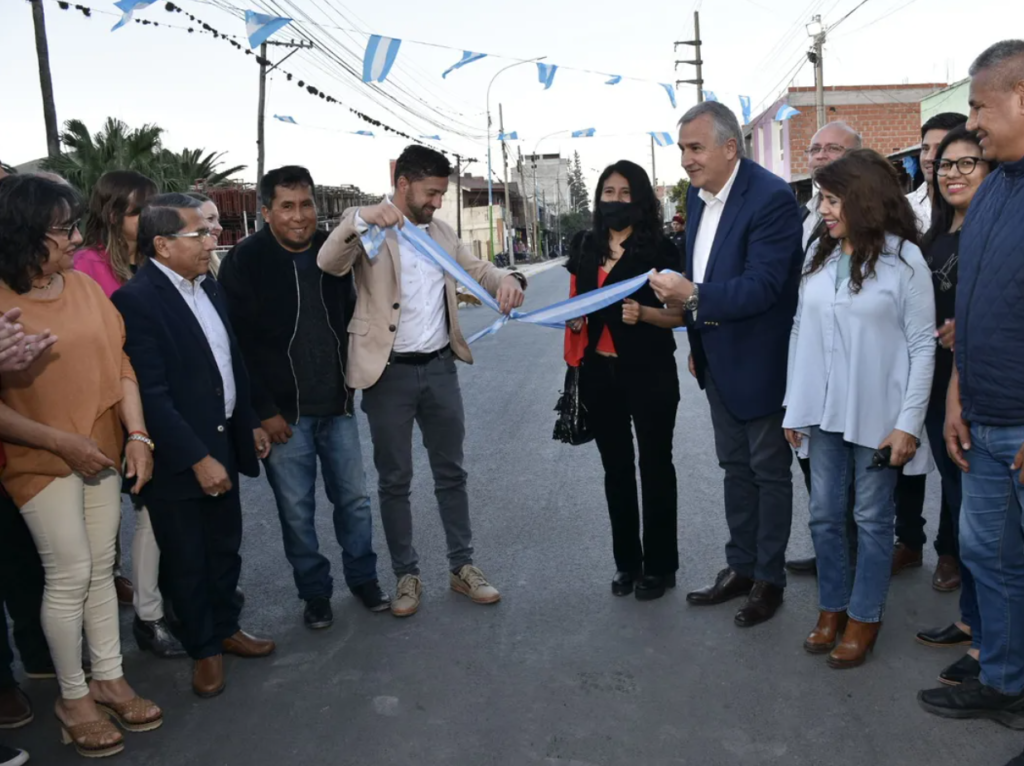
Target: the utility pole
(529, 208)
(458, 195)
(508, 207)
(817, 31)
(696, 61)
(266, 68)
(45, 80)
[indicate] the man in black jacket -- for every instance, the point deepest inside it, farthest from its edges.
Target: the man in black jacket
(195, 392)
(292, 322)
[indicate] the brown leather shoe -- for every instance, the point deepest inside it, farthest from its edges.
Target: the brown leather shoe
(208, 676)
(728, 585)
(125, 591)
(244, 645)
(904, 558)
(825, 634)
(947, 575)
(858, 639)
(15, 708)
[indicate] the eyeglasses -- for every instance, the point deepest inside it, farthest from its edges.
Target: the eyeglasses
(68, 228)
(965, 165)
(197, 234)
(834, 150)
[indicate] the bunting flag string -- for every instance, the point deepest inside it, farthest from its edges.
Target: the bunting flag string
(745, 108)
(468, 57)
(128, 7)
(259, 27)
(380, 57)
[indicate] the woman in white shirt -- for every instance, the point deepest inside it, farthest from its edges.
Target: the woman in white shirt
(861, 357)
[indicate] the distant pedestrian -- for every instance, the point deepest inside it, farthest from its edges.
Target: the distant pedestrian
(740, 293)
(861, 359)
(678, 238)
(628, 378)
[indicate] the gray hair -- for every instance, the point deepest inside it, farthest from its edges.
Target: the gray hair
(725, 123)
(161, 217)
(858, 141)
(1007, 56)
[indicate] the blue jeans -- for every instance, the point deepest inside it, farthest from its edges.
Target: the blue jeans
(992, 547)
(291, 471)
(861, 593)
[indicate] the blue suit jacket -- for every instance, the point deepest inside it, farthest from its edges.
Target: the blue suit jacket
(182, 391)
(749, 293)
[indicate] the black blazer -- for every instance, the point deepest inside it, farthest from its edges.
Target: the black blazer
(182, 391)
(641, 343)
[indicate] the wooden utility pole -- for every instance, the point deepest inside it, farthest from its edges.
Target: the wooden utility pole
(530, 210)
(697, 61)
(508, 206)
(458, 195)
(45, 80)
(819, 76)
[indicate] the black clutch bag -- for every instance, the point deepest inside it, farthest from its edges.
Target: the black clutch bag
(571, 425)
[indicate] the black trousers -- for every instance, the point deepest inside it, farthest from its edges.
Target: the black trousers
(21, 592)
(199, 541)
(621, 399)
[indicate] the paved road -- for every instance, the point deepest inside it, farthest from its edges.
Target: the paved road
(560, 673)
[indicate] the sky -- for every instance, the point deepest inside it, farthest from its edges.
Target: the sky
(204, 92)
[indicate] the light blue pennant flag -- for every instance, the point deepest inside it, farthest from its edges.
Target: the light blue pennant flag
(661, 138)
(127, 8)
(671, 90)
(363, 133)
(546, 73)
(468, 57)
(431, 138)
(585, 133)
(785, 112)
(285, 118)
(745, 107)
(616, 79)
(709, 95)
(910, 165)
(379, 58)
(513, 136)
(259, 27)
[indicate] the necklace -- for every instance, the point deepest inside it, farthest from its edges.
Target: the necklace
(48, 284)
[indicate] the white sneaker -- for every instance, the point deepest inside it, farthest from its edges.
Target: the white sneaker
(407, 596)
(470, 581)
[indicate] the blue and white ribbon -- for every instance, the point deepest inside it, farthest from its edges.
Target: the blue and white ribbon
(259, 27)
(468, 57)
(127, 8)
(380, 56)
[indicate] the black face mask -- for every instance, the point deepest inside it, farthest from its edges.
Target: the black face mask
(617, 215)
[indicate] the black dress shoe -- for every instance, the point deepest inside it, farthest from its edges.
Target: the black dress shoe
(974, 700)
(951, 636)
(156, 637)
(318, 613)
(728, 585)
(650, 587)
(623, 582)
(803, 566)
(962, 670)
(762, 604)
(372, 596)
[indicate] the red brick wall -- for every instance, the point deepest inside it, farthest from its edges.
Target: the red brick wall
(885, 127)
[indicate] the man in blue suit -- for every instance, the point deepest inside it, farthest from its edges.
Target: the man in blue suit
(195, 392)
(744, 259)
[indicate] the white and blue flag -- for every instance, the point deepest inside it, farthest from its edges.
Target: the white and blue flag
(127, 8)
(430, 138)
(380, 57)
(785, 112)
(363, 133)
(671, 90)
(513, 136)
(585, 133)
(662, 139)
(745, 108)
(259, 27)
(616, 79)
(468, 57)
(709, 95)
(285, 118)
(546, 73)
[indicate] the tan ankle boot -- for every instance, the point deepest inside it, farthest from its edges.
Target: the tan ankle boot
(830, 626)
(858, 639)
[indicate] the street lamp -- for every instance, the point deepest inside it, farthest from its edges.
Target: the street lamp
(490, 186)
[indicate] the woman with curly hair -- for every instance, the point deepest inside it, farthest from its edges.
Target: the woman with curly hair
(628, 378)
(861, 357)
(63, 423)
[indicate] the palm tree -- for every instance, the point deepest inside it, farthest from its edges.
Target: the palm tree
(188, 168)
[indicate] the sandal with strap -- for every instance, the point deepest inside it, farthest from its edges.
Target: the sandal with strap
(88, 738)
(132, 714)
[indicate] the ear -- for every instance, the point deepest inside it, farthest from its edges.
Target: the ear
(732, 148)
(1018, 92)
(265, 212)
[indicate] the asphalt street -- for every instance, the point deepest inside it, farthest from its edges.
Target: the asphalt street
(559, 673)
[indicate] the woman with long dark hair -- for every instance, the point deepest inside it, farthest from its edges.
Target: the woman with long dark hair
(959, 171)
(861, 357)
(628, 378)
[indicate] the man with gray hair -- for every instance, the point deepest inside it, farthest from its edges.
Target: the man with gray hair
(985, 405)
(744, 258)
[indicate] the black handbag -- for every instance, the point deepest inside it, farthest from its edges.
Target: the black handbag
(571, 426)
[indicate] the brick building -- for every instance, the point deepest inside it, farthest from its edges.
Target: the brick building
(888, 117)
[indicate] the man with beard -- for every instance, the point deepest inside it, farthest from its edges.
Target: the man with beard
(403, 343)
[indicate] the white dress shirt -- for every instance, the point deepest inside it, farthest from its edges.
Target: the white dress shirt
(213, 328)
(922, 206)
(423, 317)
(714, 205)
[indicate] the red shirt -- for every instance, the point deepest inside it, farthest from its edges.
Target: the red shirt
(576, 342)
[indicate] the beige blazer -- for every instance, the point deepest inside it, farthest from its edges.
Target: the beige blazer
(371, 332)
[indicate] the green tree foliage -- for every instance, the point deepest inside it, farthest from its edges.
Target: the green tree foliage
(677, 194)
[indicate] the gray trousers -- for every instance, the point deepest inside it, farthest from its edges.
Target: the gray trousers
(428, 394)
(758, 467)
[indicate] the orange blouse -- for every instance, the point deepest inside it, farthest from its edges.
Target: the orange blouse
(75, 386)
(576, 342)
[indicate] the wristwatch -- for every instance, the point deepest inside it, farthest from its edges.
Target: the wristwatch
(690, 304)
(520, 278)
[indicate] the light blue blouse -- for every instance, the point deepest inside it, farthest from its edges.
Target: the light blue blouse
(861, 364)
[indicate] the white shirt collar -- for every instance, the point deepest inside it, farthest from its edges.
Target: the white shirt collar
(723, 195)
(176, 279)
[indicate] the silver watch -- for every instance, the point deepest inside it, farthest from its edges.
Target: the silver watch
(690, 304)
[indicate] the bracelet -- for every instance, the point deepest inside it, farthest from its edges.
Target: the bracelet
(139, 436)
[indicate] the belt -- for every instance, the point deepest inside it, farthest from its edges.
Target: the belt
(419, 358)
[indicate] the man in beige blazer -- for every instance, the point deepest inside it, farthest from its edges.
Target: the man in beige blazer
(404, 338)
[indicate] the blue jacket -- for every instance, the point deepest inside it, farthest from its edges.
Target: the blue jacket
(182, 391)
(749, 294)
(990, 301)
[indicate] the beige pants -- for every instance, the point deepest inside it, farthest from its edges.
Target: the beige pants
(149, 604)
(74, 522)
